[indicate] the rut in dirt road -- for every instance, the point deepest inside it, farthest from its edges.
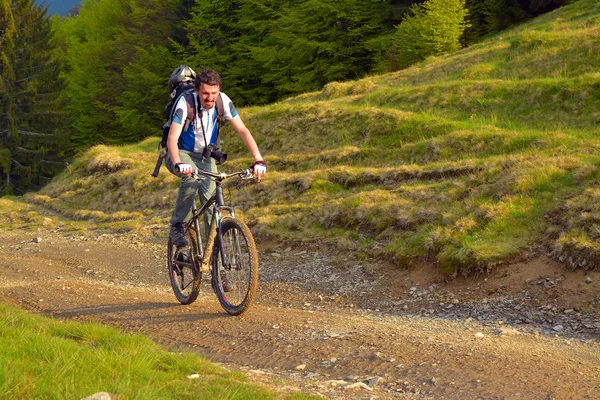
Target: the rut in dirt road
(311, 339)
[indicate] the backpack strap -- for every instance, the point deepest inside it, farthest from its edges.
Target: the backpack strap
(189, 101)
(191, 111)
(220, 117)
(220, 108)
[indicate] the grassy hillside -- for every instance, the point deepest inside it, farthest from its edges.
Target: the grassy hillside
(467, 160)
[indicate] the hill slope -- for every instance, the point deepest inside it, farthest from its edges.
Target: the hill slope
(468, 160)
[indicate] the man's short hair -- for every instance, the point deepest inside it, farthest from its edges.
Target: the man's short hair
(208, 77)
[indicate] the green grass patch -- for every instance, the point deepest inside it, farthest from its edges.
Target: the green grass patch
(54, 359)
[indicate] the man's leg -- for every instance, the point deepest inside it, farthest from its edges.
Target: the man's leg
(207, 186)
(185, 200)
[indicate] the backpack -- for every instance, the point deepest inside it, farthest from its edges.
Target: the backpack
(185, 90)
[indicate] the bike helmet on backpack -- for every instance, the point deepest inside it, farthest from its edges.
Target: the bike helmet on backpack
(181, 74)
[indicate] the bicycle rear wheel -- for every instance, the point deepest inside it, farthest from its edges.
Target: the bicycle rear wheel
(235, 280)
(184, 268)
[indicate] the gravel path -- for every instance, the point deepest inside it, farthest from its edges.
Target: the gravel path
(331, 324)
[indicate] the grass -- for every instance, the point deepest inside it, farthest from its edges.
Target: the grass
(42, 358)
(464, 160)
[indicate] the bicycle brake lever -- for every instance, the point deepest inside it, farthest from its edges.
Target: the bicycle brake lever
(198, 176)
(246, 174)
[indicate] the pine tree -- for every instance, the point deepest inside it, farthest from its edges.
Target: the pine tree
(266, 49)
(32, 125)
(212, 33)
(319, 41)
(244, 71)
(8, 131)
(480, 14)
(491, 16)
(146, 69)
(118, 56)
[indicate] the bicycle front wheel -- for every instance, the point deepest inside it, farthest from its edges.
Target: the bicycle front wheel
(184, 269)
(235, 267)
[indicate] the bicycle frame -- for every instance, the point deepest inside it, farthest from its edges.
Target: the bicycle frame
(217, 201)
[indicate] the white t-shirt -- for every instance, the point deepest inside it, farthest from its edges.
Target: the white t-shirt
(192, 138)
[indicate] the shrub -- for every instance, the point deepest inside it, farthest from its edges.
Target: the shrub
(433, 28)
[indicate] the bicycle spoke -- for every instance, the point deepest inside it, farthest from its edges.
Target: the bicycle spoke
(184, 272)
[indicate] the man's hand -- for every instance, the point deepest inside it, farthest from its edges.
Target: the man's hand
(259, 168)
(184, 169)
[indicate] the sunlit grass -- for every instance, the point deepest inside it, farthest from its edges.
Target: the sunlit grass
(41, 358)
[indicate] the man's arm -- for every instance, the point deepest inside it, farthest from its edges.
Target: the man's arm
(248, 139)
(174, 133)
(173, 148)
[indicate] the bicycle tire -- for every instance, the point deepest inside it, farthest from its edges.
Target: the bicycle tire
(184, 269)
(240, 271)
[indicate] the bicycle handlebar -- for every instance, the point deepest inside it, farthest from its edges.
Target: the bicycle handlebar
(221, 176)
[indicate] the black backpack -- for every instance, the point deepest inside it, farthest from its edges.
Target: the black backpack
(187, 92)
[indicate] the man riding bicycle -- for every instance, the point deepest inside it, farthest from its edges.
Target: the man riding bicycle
(192, 140)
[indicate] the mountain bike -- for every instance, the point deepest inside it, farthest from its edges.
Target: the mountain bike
(228, 252)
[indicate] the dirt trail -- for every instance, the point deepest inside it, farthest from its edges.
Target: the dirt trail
(324, 323)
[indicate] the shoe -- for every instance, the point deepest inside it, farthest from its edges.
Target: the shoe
(178, 235)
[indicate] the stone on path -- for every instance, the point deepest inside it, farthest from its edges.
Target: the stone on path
(99, 396)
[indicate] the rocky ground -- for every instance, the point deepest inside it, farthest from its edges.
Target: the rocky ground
(331, 324)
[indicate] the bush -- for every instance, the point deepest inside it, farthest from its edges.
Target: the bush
(433, 28)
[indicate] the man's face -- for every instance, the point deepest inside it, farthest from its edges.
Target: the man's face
(208, 95)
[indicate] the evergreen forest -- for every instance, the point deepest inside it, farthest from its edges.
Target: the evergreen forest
(100, 76)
